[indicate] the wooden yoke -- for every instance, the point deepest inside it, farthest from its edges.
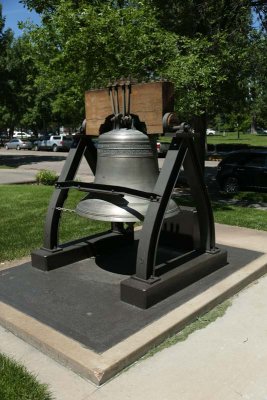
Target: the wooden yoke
(150, 101)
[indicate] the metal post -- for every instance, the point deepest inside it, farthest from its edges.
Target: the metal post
(195, 179)
(155, 213)
(59, 196)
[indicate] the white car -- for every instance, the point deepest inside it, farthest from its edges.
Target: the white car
(20, 134)
(54, 143)
(211, 131)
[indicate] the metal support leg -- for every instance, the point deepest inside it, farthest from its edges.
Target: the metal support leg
(147, 287)
(59, 196)
(90, 154)
(54, 255)
(194, 175)
(155, 213)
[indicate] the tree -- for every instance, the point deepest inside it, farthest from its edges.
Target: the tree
(6, 37)
(16, 85)
(257, 82)
(41, 6)
(205, 47)
(78, 49)
(212, 66)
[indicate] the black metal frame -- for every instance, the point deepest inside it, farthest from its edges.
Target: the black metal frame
(82, 146)
(53, 254)
(147, 286)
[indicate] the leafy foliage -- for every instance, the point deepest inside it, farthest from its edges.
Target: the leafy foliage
(210, 50)
(6, 38)
(17, 72)
(197, 74)
(46, 177)
(75, 51)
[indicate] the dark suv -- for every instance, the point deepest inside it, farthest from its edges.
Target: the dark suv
(244, 169)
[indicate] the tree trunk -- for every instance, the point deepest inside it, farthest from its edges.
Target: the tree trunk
(253, 126)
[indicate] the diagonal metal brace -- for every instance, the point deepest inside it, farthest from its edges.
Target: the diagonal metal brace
(107, 189)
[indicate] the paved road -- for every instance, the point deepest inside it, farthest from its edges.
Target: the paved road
(24, 165)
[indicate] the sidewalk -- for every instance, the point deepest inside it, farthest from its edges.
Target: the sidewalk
(17, 176)
(25, 165)
(227, 360)
(20, 175)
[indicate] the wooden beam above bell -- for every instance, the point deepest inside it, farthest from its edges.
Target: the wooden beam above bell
(150, 101)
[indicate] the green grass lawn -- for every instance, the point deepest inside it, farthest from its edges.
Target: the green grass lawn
(255, 197)
(18, 384)
(240, 216)
(23, 209)
(232, 138)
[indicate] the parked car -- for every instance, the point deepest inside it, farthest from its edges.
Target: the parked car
(243, 170)
(21, 134)
(18, 144)
(261, 131)
(54, 143)
(210, 132)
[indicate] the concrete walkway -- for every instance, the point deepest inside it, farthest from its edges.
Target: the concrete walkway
(227, 360)
(21, 175)
(17, 176)
(25, 165)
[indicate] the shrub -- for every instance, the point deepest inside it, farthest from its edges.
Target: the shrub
(45, 177)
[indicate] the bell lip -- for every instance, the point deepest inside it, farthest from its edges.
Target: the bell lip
(128, 217)
(98, 217)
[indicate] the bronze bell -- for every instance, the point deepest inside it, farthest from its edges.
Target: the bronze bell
(124, 158)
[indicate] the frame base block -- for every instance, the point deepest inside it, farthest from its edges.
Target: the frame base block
(47, 260)
(144, 294)
(68, 253)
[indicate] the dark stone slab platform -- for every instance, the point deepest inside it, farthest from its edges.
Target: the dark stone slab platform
(82, 300)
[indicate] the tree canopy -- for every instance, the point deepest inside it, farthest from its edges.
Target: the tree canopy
(212, 51)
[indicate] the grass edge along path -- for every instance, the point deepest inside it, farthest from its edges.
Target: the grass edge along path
(199, 323)
(16, 383)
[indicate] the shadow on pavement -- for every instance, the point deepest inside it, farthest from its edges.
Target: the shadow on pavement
(18, 160)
